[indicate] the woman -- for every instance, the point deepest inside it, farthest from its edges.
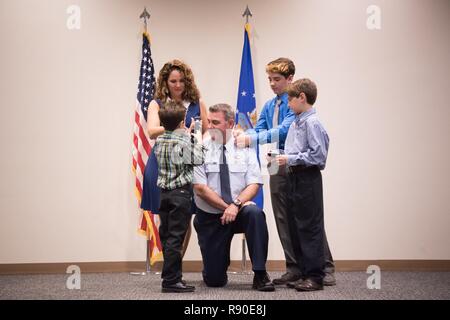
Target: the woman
(175, 82)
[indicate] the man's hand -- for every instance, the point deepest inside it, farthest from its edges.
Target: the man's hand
(249, 203)
(281, 160)
(229, 215)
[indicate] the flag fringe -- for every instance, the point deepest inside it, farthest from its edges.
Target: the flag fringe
(247, 27)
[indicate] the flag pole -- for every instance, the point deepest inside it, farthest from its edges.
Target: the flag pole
(148, 268)
(145, 15)
(147, 260)
(247, 13)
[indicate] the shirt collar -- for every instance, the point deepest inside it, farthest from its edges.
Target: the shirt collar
(174, 133)
(283, 97)
(218, 146)
(300, 118)
(230, 144)
(214, 150)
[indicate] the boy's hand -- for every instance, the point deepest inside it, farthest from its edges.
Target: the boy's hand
(281, 160)
(242, 141)
(191, 127)
(198, 136)
(237, 132)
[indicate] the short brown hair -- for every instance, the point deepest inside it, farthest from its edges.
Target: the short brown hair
(171, 114)
(283, 66)
(306, 86)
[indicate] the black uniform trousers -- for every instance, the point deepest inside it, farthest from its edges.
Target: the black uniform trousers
(214, 240)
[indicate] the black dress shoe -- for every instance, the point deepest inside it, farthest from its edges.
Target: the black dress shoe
(178, 287)
(285, 278)
(292, 284)
(262, 282)
(308, 285)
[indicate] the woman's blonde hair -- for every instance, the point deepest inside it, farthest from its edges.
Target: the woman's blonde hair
(190, 93)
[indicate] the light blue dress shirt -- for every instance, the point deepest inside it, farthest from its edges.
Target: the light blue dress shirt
(307, 141)
(242, 164)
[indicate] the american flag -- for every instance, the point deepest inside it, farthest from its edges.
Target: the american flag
(142, 146)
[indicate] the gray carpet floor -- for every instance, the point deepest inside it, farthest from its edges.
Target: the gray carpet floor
(119, 286)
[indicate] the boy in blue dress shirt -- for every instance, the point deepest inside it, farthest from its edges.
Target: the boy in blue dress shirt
(306, 150)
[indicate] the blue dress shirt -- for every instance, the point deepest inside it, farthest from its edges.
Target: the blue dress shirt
(264, 132)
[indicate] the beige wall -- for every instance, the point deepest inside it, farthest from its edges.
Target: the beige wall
(67, 101)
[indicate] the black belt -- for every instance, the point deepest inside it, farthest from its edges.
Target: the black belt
(300, 168)
(187, 187)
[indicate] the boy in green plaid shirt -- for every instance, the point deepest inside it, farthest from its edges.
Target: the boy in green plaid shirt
(177, 152)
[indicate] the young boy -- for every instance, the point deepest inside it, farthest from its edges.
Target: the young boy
(176, 154)
(306, 150)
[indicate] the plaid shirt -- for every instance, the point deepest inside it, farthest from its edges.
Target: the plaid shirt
(177, 155)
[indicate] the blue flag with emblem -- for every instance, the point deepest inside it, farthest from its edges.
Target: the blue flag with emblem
(246, 103)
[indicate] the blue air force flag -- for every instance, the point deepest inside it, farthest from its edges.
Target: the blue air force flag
(246, 103)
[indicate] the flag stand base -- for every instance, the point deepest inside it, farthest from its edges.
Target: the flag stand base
(243, 261)
(148, 270)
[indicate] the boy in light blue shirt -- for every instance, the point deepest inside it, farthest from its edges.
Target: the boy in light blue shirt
(306, 151)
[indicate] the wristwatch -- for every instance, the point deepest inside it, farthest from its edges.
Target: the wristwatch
(237, 202)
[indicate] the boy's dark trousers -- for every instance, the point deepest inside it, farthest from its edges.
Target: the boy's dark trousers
(175, 216)
(305, 216)
(279, 193)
